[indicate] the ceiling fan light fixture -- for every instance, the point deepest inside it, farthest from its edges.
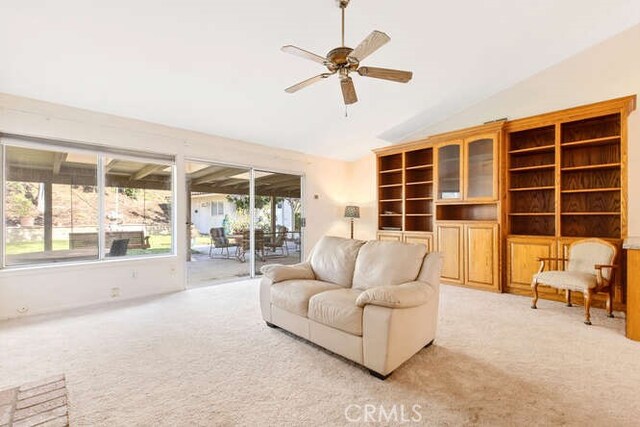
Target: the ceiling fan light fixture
(344, 60)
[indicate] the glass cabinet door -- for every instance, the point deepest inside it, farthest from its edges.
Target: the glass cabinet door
(449, 172)
(480, 169)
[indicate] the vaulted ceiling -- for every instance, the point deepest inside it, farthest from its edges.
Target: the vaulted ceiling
(215, 66)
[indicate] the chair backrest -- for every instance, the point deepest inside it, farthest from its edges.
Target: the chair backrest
(585, 254)
(281, 235)
(119, 247)
(259, 239)
(218, 236)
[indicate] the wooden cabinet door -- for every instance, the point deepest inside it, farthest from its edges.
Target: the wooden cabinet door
(450, 239)
(448, 171)
(522, 262)
(420, 238)
(480, 168)
(481, 255)
(390, 236)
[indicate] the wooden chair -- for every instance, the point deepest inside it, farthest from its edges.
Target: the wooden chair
(279, 241)
(590, 269)
(245, 246)
(219, 240)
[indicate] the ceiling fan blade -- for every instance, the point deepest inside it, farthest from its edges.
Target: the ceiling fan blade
(307, 82)
(348, 91)
(386, 74)
(373, 42)
(293, 50)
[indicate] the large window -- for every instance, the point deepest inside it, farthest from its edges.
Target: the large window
(138, 206)
(61, 203)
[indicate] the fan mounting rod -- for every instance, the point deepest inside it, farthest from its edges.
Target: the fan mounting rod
(342, 4)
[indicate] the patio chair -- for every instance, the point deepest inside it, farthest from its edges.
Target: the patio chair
(219, 240)
(245, 246)
(279, 240)
(119, 247)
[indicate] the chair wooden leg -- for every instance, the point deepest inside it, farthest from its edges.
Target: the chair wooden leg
(568, 295)
(534, 288)
(587, 306)
(610, 302)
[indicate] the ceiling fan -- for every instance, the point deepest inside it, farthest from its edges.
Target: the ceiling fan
(344, 60)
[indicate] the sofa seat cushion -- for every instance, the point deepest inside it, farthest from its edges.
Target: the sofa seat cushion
(293, 295)
(334, 258)
(385, 263)
(337, 309)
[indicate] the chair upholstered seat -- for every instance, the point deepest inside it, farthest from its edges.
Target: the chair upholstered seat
(572, 280)
(294, 295)
(337, 309)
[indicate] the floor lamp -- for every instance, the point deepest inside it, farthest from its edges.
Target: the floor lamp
(352, 212)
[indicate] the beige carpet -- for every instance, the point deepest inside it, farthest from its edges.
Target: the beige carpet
(204, 357)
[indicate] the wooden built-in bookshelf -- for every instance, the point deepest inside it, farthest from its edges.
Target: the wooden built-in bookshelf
(531, 169)
(418, 190)
(405, 191)
(591, 198)
(518, 189)
(564, 179)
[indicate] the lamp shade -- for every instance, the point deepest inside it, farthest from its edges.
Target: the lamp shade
(352, 212)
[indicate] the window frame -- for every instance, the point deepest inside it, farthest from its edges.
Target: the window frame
(101, 154)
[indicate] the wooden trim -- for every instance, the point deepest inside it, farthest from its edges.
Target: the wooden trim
(627, 103)
(489, 128)
(557, 204)
(624, 178)
(402, 147)
(633, 294)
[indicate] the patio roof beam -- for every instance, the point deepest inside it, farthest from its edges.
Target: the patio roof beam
(58, 160)
(275, 179)
(224, 173)
(146, 171)
(113, 163)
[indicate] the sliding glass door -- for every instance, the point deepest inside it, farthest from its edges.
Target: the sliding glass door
(218, 200)
(225, 243)
(277, 218)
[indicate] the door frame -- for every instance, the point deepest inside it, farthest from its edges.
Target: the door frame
(251, 169)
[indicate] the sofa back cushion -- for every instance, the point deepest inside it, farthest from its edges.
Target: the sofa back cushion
(333, 260)
(383, 263)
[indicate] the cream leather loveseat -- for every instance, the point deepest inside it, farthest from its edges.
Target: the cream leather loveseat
(374, 302)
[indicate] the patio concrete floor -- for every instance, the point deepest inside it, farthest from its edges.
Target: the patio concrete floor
(206, 271)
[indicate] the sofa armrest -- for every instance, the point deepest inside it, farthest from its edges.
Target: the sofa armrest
(411, 294)
(279, 273)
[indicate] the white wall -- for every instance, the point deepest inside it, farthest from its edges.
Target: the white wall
(608, 70)
(52, 288)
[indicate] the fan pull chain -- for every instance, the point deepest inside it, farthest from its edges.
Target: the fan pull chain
(346, 111)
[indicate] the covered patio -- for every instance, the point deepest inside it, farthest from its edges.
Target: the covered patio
(220, 248)
(53, 205)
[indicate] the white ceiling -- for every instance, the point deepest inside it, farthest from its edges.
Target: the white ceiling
(215, 66)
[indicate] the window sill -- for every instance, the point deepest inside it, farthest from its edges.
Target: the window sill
(93, 264)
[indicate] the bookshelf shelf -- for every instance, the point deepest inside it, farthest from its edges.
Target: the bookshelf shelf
(591, 167)
(532, 168)
(550, 187)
